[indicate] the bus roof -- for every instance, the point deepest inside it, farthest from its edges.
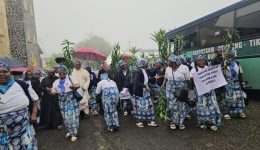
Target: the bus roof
(232, 7)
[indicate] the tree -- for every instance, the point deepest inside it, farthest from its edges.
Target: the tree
(179, 45)
(164, 46)
(95, 42)
(51, 61)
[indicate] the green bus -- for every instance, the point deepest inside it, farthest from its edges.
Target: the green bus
(206, 34)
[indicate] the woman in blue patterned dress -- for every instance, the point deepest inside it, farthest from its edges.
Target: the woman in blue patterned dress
(110, 97)
(207, 108)
(176, 77)
(69, 106)
(234, 100)
(143, 106)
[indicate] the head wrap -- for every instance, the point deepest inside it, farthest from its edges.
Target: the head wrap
(104, 76)
(2, 64)
(121, 63)
(199, 55)
(142, 62)
(175, 59)
(63, 68)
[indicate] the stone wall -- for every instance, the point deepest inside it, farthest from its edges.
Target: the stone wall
(22, 31)
(4, 37)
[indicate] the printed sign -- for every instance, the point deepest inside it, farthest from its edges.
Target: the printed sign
(209, 79)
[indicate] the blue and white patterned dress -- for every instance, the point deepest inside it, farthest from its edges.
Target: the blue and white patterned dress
(207, 107)
(177, 110)
(69, 106)
(143, 108)
(234, 100)
(110, 97)
(70, 111)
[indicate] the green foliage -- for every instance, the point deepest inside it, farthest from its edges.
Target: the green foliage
(67, 51)
(116, 56)
(179, 45)
(163, 43)
(96, 42)
(51, 61)
(152, 57)
(230, 36)
(162, 107)
(133, 58)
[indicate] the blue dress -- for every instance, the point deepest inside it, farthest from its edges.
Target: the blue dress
(177, 110)
(109, 100)
(234, 100)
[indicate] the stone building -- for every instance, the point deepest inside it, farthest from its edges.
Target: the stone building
(22, 32)
(4, 37)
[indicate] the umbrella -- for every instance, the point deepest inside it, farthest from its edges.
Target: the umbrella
(89, 54)
(22, 69)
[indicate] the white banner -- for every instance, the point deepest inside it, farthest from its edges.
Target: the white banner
(209, 79)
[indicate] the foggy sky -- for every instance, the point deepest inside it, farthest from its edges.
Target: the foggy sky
(123, 21)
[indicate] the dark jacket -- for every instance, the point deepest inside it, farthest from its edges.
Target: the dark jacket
(36, 85)
(139, 83)
(123, 81)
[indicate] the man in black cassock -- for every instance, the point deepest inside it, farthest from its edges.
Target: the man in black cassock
(50, 110)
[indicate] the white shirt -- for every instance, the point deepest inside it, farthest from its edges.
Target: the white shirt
(181, 74)
(193, 70)
(145, 76)
(66, 85)
(15, 99)
(105, 84)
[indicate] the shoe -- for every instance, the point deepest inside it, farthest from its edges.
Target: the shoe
(182, 127)
(67, 135)
(188, 117)
(73, 138)
(125, 113)
(172, 126)
(203, 126)
(59, 127)
(152, 124)
(214, 128)
(242, 115)
(227, 116)
(140, 124)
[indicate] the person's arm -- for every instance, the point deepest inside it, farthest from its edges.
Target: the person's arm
(35, 99)
(137, 80)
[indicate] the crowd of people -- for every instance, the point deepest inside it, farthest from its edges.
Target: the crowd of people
(54, 101)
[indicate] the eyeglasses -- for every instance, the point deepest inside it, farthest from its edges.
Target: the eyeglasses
(3, 71)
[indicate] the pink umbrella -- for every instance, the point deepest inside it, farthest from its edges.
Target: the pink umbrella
(89, 54)
(22, 69)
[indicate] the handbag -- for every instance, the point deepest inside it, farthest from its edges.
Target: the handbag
(181, 94)
(76, 94)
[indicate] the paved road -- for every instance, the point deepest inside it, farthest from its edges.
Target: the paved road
(234, 134)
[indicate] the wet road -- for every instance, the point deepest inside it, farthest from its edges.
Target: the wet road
(233, 134)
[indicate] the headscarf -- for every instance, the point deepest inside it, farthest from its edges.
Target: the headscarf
(199, 55)
(104, 76)
(2, 64)
(175, 58)
(121, 63)
(159, 62)
(63, 68)
(142, 62)
(34, 72)
(4, 88)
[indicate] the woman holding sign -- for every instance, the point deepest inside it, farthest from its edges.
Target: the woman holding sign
(208, 112)
(176, 76)
(234, 100)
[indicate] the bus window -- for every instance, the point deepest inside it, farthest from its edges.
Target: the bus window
(213, 30)
(247, 17)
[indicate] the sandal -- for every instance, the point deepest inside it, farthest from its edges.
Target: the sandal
(173, 126)
(214, 128)
(140, 124)
(203, 126)
(242, 115)
(182, 126)
(227, 116)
